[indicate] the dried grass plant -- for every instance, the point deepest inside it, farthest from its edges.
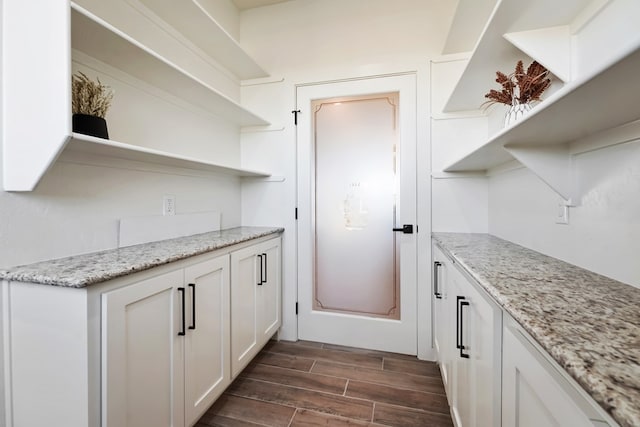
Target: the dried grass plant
(89, 97)
(520, 87)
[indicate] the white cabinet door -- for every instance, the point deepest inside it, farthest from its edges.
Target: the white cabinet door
(207, 339)
(142, 353)
(531, 396)
(477, 359)
(269, 293)
(255, 300)
(443, 321)
(245, 281)
(462, 384)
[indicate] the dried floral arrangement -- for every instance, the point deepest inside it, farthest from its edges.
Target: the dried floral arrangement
(520, 87)
(89, 97)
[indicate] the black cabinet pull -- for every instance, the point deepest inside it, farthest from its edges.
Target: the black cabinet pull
(193, 305)
(265, 268)
(458, 299)
(462, 347)
(261, 278)
(436, 291)
(182, 332)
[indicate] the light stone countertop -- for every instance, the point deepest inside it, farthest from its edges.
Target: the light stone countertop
(588, 323)
(83, 270)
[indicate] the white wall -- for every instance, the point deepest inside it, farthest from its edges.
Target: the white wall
(308, 41)
(603, 234)
(459, 201)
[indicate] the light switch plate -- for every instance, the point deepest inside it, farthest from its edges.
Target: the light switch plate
(563, 214)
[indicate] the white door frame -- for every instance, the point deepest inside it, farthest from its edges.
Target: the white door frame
(405, 342)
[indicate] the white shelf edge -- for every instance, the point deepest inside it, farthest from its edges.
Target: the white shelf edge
(231, 56)
(114, 149)
(497, 142)
(232, 110)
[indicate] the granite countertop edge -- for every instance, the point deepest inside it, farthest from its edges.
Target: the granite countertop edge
(80, 271)
(582, 359)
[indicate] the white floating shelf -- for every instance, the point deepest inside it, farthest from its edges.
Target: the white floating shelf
(468, 22)
(494, 52)
(105, 148)
(100, 40)
(191, 18)
(606, 99)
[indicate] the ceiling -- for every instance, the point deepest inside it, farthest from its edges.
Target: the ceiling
(250, 4)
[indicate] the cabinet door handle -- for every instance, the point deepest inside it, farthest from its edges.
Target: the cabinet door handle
(264, 255)
(458, 298)
(436, 291)
(462, 347)
(193, 305)
(181, 290)
(261, 279)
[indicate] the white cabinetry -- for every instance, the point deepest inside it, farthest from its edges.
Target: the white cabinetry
(468, 336)
(165, 346)
(534, 393)
(255, 300)
(148, 349)
(494, 373)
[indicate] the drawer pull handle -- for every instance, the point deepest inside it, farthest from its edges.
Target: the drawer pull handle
(182, 331)
(462, 347)
(193, 305)
(436, 286)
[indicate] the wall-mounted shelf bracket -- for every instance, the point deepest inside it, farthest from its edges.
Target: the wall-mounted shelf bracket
(550, 46)
(553, 164)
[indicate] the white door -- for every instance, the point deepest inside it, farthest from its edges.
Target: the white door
(207, 339)
(142, 359)
(356, 156)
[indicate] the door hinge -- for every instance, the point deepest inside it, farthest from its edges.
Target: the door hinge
(296, 214)
(296, 308)
(295, 116)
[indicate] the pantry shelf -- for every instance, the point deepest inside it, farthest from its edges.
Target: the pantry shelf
(105, 148)
(100, 40)
(192, 19)
(580, 108)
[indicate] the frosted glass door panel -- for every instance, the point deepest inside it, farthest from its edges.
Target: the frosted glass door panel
(356, 268)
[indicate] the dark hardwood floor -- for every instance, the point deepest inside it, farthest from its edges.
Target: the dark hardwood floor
(314, 384)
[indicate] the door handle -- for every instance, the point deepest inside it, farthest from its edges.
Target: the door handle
(436, 286)
(406, 229)
(264, 256)
(261, 271)
(462, 346)
(182, 332)
(193, 305)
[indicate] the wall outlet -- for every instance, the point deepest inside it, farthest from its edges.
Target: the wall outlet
(168, 205)
(563, 214)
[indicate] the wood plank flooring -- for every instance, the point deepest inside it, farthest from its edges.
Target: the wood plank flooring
(315, 384)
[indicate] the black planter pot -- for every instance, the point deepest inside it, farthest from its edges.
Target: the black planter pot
(90, 125)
